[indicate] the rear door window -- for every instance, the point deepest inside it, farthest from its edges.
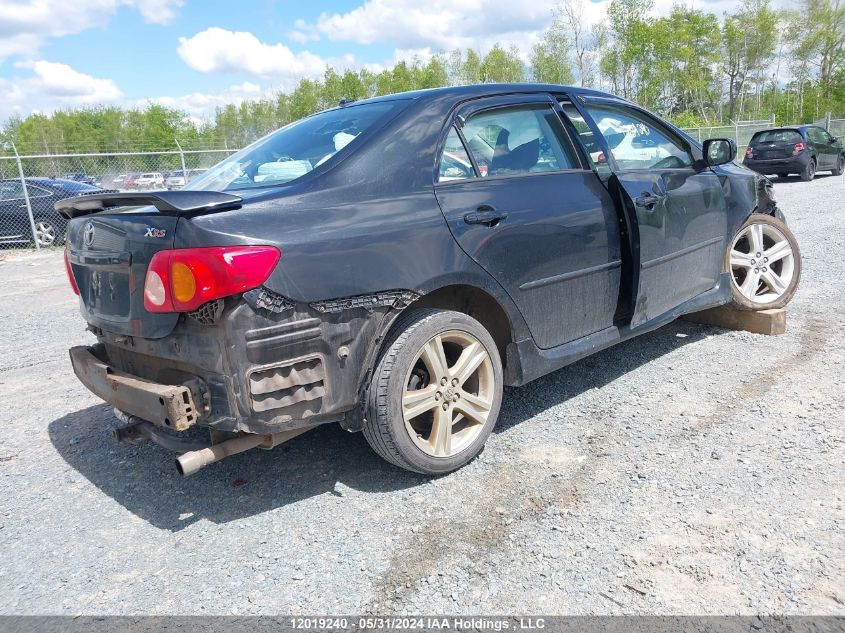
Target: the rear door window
(454, 161)
(518, 140)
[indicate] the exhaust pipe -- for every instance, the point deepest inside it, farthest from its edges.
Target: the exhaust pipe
(189, 463)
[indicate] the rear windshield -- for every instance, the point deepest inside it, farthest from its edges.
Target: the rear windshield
(293, 151)
(777, 136)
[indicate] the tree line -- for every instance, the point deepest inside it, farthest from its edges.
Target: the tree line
(691, 66)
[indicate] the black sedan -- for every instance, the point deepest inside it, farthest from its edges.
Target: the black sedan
(392, 264)
(802, 150)
(15, 227)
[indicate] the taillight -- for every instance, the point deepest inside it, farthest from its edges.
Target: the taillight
(798, 148)
(70, 277)
(749, 152)
(181, 280)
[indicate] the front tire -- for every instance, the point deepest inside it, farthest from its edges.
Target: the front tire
(840, 166)
(765, 264)
(47, 233)
(435, 392)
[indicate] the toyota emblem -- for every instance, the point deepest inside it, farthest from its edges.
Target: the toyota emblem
(89, 234)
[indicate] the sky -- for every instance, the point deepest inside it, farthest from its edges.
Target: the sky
(198, 54)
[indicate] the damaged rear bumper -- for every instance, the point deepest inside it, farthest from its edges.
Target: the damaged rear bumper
(176, 407)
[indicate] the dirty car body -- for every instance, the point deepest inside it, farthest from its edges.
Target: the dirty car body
(555, 255)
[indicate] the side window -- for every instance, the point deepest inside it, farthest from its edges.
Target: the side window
(454, 161)
(818, 135)
(519, 140)
(635, 141)
(11, 191)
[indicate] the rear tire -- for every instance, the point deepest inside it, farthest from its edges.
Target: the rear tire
(765, 264)
(435, 392)
(840, 166)
(809, 171)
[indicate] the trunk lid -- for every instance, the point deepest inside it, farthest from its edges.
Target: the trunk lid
(768, 150)
(109, 255)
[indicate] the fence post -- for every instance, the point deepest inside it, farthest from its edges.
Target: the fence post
(26, 197)
(182, 158)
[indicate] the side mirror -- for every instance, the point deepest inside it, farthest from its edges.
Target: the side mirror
(718, 151)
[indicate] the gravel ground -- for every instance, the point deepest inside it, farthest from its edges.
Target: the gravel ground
(693, 470)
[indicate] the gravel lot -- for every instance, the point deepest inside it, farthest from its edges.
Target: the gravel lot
(693, 470)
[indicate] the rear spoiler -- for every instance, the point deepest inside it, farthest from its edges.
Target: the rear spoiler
(167, 202)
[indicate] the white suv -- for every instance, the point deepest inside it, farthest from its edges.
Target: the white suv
(150, 180)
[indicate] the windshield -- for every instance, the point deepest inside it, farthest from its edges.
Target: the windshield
(294, 150)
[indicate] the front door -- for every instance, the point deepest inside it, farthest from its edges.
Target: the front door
(827, 154)
(520, 201)
(679, 207)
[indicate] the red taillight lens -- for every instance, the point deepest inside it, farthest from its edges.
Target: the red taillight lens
(749, 152)
(183, 279)
(70, 277)
(798, 148)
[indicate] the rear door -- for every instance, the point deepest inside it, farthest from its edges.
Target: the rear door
(523, 205)
(679, 207)
(109, 254)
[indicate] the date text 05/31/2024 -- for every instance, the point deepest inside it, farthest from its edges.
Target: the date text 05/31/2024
(419, 623)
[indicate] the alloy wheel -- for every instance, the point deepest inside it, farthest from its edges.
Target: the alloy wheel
(762, 263)
(449, 393)
(45, 233)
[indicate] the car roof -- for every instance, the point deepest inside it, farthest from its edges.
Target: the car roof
(484, 90)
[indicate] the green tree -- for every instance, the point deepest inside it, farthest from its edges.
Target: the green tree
(502, 66)
(748, 40)
(550, 56)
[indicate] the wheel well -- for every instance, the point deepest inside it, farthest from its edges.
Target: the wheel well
(476, 303)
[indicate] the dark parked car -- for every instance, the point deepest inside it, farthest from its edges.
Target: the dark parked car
(392, 264)
(50, 227)
(81, 176)
(802, 150)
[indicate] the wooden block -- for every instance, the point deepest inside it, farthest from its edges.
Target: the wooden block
(771, 322)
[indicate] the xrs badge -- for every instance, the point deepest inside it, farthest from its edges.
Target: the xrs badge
(153, 232)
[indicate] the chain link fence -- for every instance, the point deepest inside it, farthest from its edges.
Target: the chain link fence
(31, 184)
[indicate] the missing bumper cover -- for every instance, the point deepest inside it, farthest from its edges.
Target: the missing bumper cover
(170, 406)
(392, 298)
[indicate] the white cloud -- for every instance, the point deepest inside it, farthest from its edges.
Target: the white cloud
(25, 24)
(440, 24)
(63, 82)
(53, 86)
(200, 106)
(219, 50)
(446, 24)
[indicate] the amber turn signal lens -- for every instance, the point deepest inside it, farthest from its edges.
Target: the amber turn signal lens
(184, 283)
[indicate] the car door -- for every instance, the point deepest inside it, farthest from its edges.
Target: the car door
(520, 201)
(677, 205)
(826, 150)
(14, 220)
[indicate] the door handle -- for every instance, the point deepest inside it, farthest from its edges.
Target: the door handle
(648, 200)
(485, 215)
